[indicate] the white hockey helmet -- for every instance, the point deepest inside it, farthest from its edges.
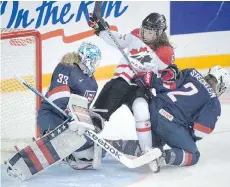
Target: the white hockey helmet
(223, 78)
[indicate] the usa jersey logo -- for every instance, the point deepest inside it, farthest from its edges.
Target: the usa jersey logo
(166, 114)
(89, 94)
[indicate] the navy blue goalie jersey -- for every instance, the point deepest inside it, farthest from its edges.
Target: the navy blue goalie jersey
(67, 79)
(192, 102)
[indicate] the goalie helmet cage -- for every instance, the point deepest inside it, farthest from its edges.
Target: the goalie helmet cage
(21, 55)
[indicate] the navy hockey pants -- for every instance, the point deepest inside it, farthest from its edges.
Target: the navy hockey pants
(48, 121)
(183, 148)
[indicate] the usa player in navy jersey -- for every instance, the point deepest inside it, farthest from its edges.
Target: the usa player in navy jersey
(73, 75)
(184, 112)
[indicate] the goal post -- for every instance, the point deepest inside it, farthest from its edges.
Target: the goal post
(21, 55)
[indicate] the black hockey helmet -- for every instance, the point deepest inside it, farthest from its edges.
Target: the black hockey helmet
(153, 26)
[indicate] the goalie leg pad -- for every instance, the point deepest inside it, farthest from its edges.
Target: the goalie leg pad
(46, 151)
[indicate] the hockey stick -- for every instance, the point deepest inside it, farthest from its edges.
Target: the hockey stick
(43, 97)
(97, 12)
(130, 163)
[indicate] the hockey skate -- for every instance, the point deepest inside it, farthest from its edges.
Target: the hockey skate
(80, 160)
(89, 158)
(78, 164)
(156, 164)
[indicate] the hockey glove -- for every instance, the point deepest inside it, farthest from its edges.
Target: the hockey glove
(94, 23)
(143, 79)
(169, 74)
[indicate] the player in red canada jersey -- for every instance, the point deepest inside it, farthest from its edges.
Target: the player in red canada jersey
(149, 50)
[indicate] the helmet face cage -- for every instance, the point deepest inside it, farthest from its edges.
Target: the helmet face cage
(148, 35)
(220, 88)
(152, 27)
(90, 56)
(222, 76)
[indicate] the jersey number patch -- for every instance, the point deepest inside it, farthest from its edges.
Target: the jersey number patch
(62, 79)
(190, 85)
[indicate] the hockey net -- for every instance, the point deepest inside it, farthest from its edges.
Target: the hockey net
(20, 56)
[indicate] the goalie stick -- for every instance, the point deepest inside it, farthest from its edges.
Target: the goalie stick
(151, 155)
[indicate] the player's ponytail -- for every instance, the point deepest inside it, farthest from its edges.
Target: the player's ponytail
(70, 59)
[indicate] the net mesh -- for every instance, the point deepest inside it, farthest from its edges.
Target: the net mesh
(18, 104)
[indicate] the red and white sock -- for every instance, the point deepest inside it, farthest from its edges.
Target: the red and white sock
(144, 134)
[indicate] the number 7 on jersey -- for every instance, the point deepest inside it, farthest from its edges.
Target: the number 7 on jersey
(193, 91)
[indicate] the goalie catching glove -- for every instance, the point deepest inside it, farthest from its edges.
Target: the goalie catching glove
(78, 126)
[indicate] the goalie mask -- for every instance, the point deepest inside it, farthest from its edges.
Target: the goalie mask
(152, 27)
(222, 78)
(90, 56)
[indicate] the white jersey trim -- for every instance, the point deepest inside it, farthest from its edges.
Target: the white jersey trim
(59, 95)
